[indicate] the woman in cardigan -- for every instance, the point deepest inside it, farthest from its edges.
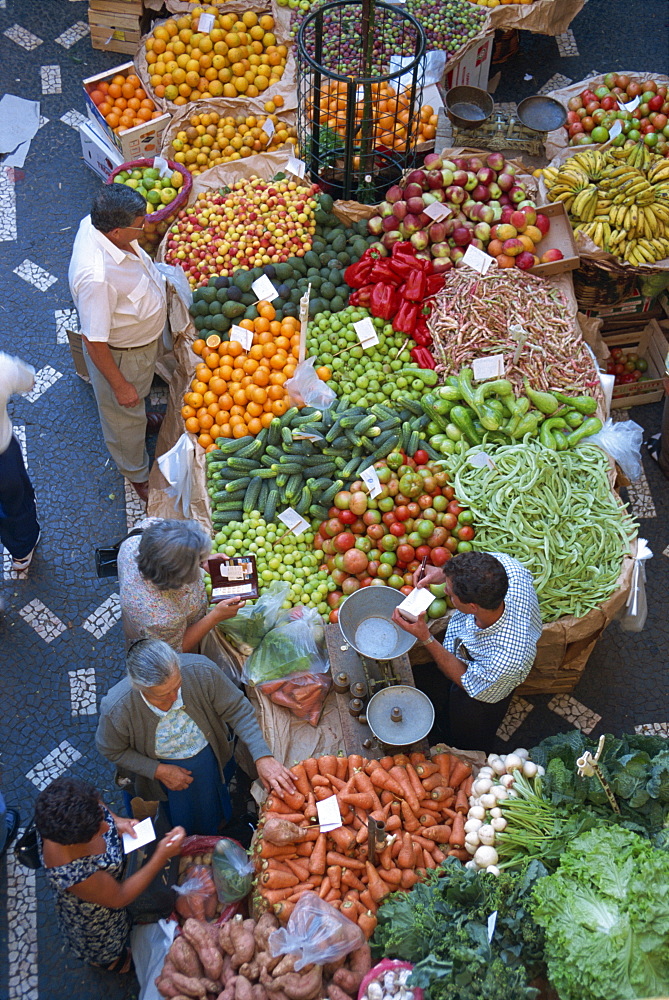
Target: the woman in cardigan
(171, 724)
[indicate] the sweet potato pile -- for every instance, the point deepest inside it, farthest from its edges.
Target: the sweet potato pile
(423, 803)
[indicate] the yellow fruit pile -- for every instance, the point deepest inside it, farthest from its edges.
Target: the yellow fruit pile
(210, 139)
(239, 55)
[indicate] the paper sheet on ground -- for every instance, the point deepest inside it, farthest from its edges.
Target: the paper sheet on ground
(19, 121)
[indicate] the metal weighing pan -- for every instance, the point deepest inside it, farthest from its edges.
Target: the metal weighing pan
(365, 622)
(400, 715)
(468, 107)
(541, 114)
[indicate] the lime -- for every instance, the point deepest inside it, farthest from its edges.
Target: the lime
(152, 172)
(132, 182)
(167, 195)
(153, 197)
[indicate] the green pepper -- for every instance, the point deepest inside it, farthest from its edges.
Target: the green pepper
(574, 419)
(462, 419)
(590, 426)
(529, 424)
(548, 439)
(584, 404)
(545, 402)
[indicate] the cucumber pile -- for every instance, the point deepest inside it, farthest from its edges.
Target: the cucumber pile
(282, 468)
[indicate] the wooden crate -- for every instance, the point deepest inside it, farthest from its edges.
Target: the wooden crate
(652, 345)
(115, 25)
(116, 6)
(115, 41)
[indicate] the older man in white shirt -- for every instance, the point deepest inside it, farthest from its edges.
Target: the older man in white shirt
(120, 297)
(19, 529)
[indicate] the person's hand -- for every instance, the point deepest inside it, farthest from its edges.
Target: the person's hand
(173, 777)
(418, 628)
(171, 843)
(432, 574)
(274, 776)
(228, 608)
(126, 395)
(124, 825)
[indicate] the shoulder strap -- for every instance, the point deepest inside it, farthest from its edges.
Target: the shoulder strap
(135, 531)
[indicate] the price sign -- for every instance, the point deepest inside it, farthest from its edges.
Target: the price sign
(492, 923)
(205, 23)
(366, 332)
(477, 259)
(268, 129)
(437, 211)
(242, 336)
(370, 478)
(293, 521)
(296, 167)
(481, 459)
(264, 289)
(491, 366)
(633, 104)
(615, 129)
(161, 164)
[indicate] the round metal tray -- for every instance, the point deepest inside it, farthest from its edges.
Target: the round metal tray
(416, 715)
(365, 622)
(542, 114)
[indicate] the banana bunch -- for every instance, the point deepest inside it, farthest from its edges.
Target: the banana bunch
(619, 198)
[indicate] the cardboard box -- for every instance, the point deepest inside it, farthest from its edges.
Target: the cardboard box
(559, 237)
(652, 345)
(135, 143)
(99, 154)
(633, 304)
(472, 68)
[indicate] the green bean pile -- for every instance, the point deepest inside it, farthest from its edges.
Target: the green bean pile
(553, 511)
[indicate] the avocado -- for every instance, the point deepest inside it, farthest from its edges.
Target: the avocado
(270, 271)
(317, 244)
(291, 309)
(234, 293)
(251, 313)
(283, 271)
(316, 282)
(297, 264)
(361, 227)
(220, 323)
(233, 309)
(200, 322)
(338, 303)
(284, 292)
(249, 299)
(316, 306)
(296, 295)
(208, 293)
(339, 242)
(328, 290)
(222, 293)
(290, 283)
(326, 202)
(336, 277)
(243, 280)
(332, 235)
(215, 308)
(222, 281)
(321, 218)
(312, 272)
(201, 308)
(311, 259)
(344, 258)
(325, 258)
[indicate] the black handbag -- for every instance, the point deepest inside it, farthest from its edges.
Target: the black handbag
(158, 899)
(26, 850)
(106, 556)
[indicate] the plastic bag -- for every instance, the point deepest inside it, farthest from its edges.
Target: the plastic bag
(252, 622)
(635, 613)
(197, 894)
(379, 972)
(316, 932)
(305, 387)
(176, 466)
(232, 870)
(178, 280)
(622, 441)
(287, 649)
(150, 944)
(303, 694)
(310, 616)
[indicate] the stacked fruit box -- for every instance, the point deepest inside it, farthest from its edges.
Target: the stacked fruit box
(115, 24)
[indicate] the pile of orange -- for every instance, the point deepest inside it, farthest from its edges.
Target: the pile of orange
(239, 55)
(235, 393)
(123, 103)
(209, 138)
(389, 110)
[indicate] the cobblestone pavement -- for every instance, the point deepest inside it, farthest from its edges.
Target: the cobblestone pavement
(60, 643)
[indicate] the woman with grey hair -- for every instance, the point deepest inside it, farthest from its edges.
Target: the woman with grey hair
(162, 586)
(171, 723)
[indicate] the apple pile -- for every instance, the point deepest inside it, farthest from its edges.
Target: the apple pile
(515, 238)
(381, 542)
(592, 114)
(474, 190)
(627, 367)
(251, 224)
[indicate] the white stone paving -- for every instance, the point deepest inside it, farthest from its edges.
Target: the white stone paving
(66, 319)
(21, 931)
(78, 31)
(53, 765)
(103, 618)
(653, 729)
(573, 711)
(47, 625)
(566, 43)
(23, 37)
(35, 275)
(516, 714)
(135, 510)
(74, 119)
(42, 121)
(44, 379)
(7, 205)
(556, 82)
(51, 80)
(641, 499)
(83, 691)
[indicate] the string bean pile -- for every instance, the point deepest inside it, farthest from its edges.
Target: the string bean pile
(474, 315)
(553, 511)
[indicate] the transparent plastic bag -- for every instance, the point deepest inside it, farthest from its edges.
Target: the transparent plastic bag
(232, 871)
(197, 894)
(306, 389)
(176, 466)
(311, 618)
(303, 694)
(252, 622)
(316, 932)
(635, 612)
(287, 649)
(176, 276)
(622, 441)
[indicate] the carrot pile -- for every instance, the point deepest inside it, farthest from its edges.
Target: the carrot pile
(423, 802)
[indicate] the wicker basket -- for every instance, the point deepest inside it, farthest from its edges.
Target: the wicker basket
(602, 283)
(157, 223)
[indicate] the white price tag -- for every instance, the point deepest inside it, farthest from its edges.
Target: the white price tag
(161, 164)
(205, 23)
(631, 105)
(268, 129)
(481, 459)
(242, 336)
(329, 814)
(491, 366)
(370, 478)
(615, 129)
(438, 211)
(296, 167)
(492, 923)
(360, 93)
(293, 521)
(366, 332)
(477, 259)
(264, 289)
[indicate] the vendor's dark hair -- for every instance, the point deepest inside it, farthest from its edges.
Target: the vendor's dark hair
(116, 206)
(477, 578)
(68, 811)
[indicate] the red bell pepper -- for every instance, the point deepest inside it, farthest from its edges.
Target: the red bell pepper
(361, 296)
(415, 287)
(382, 271)
(357, 275)
(383, 301)
(435, 283)
(423, 357)
(406, 318)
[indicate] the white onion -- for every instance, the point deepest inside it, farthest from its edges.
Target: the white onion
(500, 793)
(522, 752)
(496, 812)
(474, 800)
(471, 847)
(513, 762)
(477, 812)
(491, 758)
(498, 823)
(485, 772)
(471, 864)
(506, 780)
(488, 801)
(481, 786)
(472, 825)
(486, 834)
(472, 838)
(530, 769)
(493, 870)
(498, 766)
(485, 856)
(540, 771)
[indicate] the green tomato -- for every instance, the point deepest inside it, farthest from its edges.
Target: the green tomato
(388, 557)
(437, 609)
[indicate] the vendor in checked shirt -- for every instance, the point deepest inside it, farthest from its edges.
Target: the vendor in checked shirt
(489, 646)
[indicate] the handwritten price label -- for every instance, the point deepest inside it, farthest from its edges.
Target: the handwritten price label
(370, 478)
(293, 521)
(477, 259)
(366, 332)
(437, 211)
(242, 336)
(264, 289)
(296, 167)
(206, 23)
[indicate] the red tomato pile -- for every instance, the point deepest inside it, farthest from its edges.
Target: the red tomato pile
(381, 542)
(592, 114)
(627, 367)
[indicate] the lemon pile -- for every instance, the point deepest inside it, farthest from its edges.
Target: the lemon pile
(209, 139)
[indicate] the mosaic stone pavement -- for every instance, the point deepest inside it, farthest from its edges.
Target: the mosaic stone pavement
(60, 638)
